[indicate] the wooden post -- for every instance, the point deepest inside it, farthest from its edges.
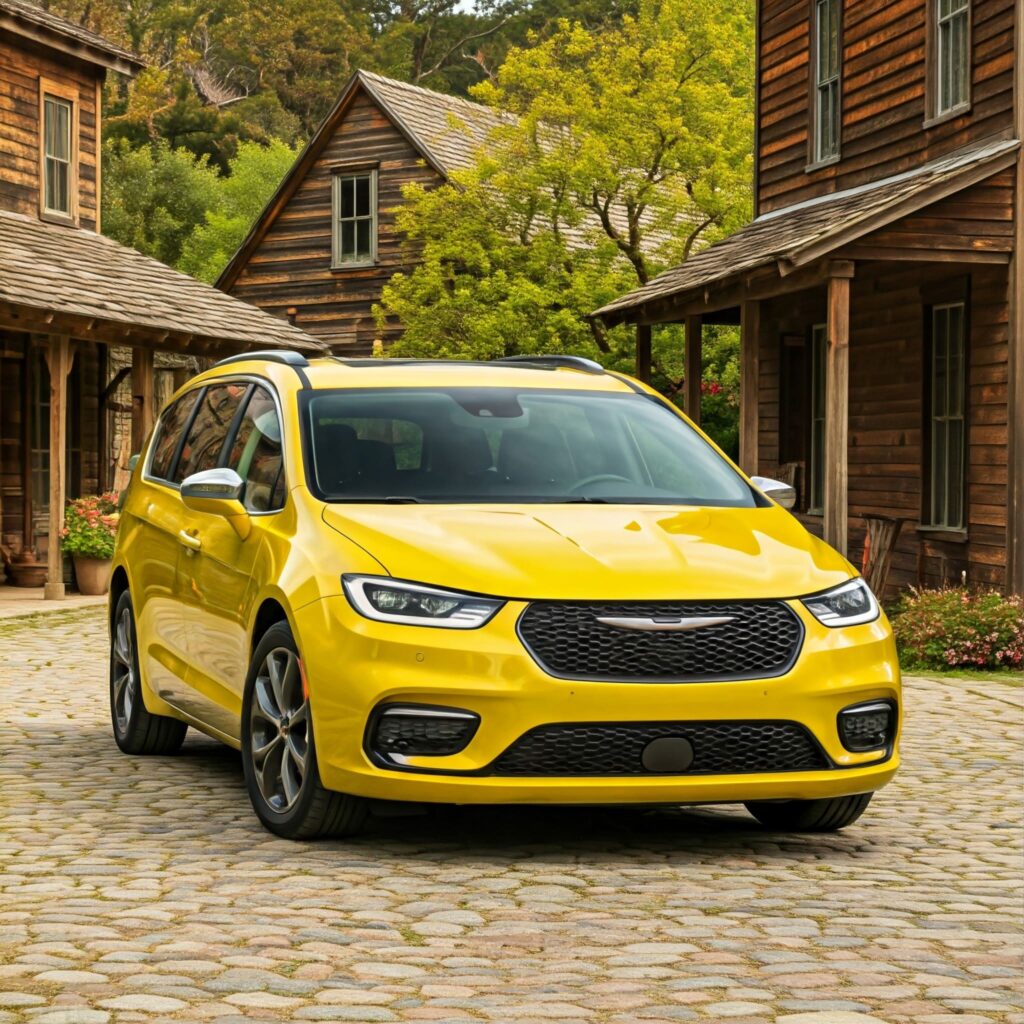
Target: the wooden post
(142, 396)
(1015, 369)
(750, 342)
(694, 351)
(643, 352)
(58, 359)
(837, 402)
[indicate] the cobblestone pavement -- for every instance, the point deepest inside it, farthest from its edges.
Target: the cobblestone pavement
(136, 889)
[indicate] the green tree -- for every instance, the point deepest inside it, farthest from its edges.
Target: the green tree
(254, 175)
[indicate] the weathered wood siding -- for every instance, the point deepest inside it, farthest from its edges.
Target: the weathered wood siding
(22, 64)
(886, 424)
(291, 267)
(883, 93)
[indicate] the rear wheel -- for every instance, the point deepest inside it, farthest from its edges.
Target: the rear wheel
(810, 815)
(278, 751)
(136, 730)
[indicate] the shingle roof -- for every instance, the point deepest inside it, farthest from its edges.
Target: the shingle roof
(70, 271)
(31, 14)
(799, 234)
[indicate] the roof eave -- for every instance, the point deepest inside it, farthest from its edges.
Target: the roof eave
(113, 60)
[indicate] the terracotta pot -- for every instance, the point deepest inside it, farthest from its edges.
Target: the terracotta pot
(26, 574)
(93, 574)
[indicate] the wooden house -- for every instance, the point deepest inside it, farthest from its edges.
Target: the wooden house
(70, 298)
(326, 244)
(880, 287)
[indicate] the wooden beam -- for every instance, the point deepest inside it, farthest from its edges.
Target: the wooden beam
(750, 342)
(1015, 369)
(142, 396)
(837, 401)
(58, 360)
(694, 351)
(643, 352)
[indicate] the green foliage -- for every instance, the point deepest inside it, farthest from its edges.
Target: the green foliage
(939, 629)
(90, 526)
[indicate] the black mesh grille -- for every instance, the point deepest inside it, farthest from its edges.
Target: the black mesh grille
(719, 748)
(565, 638)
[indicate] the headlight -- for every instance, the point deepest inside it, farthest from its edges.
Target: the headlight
(411, 604)
(847, 605)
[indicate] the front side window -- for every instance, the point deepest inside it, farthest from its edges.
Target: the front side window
(826, 79)
(819, 353)
(168, 434)
(208, 430)
(947, 384)
(57, 155)
(505, 445)
(355, 219)
(256, 455)
(952, 54)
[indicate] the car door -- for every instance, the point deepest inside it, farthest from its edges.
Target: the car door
(221, 586)
(157, 519)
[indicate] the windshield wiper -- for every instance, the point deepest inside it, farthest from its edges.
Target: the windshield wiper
(584, 500)
(401, 499)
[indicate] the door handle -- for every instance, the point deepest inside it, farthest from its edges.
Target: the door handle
(190, 540)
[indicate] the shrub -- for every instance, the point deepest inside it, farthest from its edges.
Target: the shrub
(90, 525)
(938, 629)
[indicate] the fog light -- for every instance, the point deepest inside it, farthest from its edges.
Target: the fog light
(867, 726)
(401, 731)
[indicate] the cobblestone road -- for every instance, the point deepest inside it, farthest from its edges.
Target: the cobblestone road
(144, 889)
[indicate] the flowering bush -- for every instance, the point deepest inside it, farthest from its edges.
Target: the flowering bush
(90, 525)
(960, 628)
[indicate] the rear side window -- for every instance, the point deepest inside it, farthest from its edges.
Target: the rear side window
(256, 456)
(172, 423)
(209, 429)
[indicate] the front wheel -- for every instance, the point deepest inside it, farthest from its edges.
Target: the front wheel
(810, 815)
(278, 752)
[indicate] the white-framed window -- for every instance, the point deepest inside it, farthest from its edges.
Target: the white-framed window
(952, 55)
(58, 155)
(827, 126)
(816, 478)
(354, 203)
(946, 426)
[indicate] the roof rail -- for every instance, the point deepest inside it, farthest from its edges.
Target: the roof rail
(270, 355)
(554, 362)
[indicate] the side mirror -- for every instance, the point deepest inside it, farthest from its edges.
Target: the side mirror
(218, 492)
(780, 493)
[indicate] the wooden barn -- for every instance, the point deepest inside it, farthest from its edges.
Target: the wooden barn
(880, 287)
(73, 304)
(326, 244)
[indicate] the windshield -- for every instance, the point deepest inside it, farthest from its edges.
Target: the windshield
(509, 445)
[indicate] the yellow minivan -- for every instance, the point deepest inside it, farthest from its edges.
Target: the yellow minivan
(523, 581)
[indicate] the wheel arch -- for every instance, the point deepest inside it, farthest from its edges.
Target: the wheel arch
(119, 583)
(270, 611)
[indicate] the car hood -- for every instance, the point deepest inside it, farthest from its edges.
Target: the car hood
(594, 552)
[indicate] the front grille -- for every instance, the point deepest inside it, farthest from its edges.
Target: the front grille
(719, 748)
(761, 639)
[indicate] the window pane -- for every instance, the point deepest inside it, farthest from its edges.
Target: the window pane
(348, 240)
(363, 239)
(959, 56)
(168, 432)
(362, 187)
(256, 454)
(955, 485)
(209, 429)
(60, 197)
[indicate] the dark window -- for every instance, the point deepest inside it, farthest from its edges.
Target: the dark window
(952, 54)
(819, 354)
(827, 125)
(355, 218)
(209, 429)
(168, 434)
(256, 455)
(946, 424)
(57, 155)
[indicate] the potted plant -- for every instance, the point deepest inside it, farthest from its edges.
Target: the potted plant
(90, 525)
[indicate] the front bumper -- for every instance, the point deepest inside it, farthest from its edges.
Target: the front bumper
(354, 664)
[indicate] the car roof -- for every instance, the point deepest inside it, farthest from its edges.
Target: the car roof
(559, 372)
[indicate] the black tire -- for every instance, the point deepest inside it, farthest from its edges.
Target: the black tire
(136, 730)
(282, 775)
(810, 815)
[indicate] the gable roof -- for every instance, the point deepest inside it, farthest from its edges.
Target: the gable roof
(33, 22)
(54, 274)
(799, 234)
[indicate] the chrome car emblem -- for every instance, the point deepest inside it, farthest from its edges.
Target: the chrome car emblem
(665, 623)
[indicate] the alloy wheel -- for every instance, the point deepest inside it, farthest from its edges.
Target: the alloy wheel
(279, 729)
(125, 684)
